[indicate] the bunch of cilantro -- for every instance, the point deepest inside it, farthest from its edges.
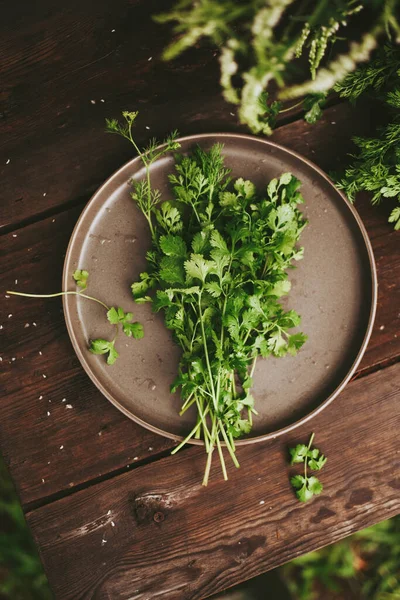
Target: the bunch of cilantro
(217, 269)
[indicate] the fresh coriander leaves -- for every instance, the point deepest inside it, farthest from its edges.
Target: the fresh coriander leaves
(133, 330)
(217, 268)
(307, 486)
(115, 315)
(100, 346)
(81, 278)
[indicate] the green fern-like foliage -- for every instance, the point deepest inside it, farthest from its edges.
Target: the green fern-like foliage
(375, 167)
(261, 41)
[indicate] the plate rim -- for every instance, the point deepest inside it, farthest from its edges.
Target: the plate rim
(267, 436)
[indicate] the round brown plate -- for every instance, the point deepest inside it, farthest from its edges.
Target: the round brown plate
(333, 289)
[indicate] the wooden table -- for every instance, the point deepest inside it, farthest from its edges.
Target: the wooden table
(114, 515)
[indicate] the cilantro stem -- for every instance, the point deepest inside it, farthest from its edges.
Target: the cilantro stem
(187, 438)
(215, 400)
(306, 457)
(253, 366)
(221, 458)
(228, 445)
(70, 293)
(208, 465)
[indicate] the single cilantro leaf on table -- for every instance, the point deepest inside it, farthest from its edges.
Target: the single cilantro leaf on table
(307, 486)
(81, 277)
(133, 330)
(100, 346)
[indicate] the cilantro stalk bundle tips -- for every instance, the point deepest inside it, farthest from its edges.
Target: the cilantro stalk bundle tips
(217, 268)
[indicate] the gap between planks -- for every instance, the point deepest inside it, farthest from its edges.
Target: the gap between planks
(30, 507)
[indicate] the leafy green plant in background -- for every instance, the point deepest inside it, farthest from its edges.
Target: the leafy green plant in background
(21, 573)
(261, 43)
(375, 167)
(369, 560)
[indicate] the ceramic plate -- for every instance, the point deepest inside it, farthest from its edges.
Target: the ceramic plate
(333, 289)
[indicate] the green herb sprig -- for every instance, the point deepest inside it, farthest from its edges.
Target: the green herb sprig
(115, 315)
(217, 268)
(375, 167)
(306, 485)
(260, 44)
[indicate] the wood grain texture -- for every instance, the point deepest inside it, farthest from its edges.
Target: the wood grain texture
(30, 439)
(156, 532)
(66, 68)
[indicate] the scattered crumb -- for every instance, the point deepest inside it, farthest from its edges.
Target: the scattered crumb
(109, 513)
(48, 463)
(1, 359)
(40, 397)
(6, 296)
(150, 448)
(8, 161)
(14, 235)
(26, 325)
(40, 353)
(44, 193)
(150, 58)
(382, 327)
(16, 282)
(44, 376)
(13, 358)
(103, 541)
(34, 324)
(112, 524)
(136, 458)
(61, 447)
(1, 326)
(64, 400)
(93, 101)
(53, 220)
(112, 30)
(232, 114)
(102, 100)
(48, 413)
(10, 315)
(100, 433)
(333, 122)
(262, 501)
(68, 406)
(147, 127)
(42, 480)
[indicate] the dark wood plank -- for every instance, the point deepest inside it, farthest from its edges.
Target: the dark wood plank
(35, 420)
(29, 438)
(156, 532)
(68, 67)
